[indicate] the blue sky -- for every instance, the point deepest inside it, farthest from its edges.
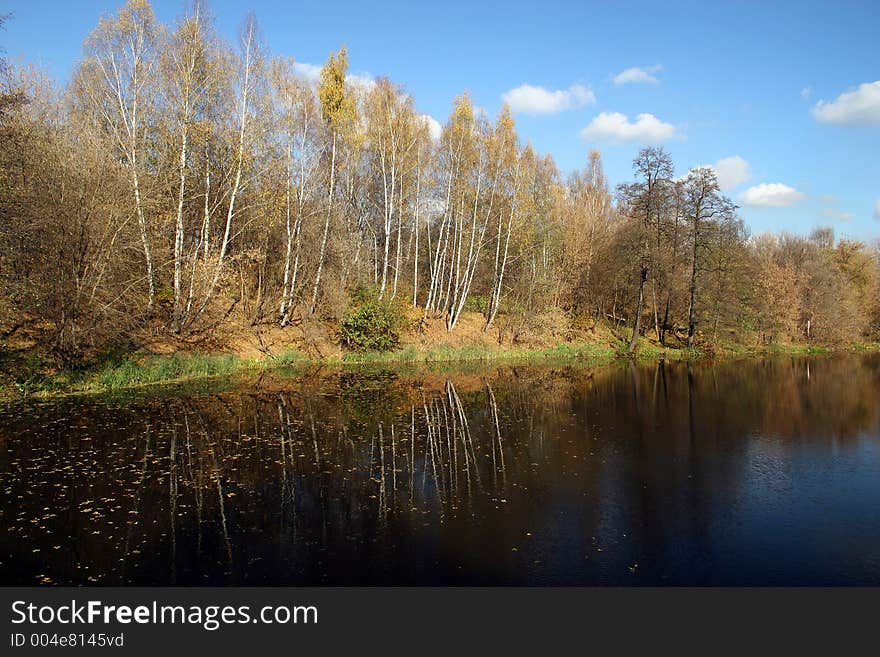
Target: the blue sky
(719, 80)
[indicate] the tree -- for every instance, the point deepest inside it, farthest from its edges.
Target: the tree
(296, 107)
(10, 98)
(727, 269)
(645, 202)
(116, 78)
(64, 239)
(338, 112)
(586, 210)
(191, 82)
(392, 134)
(202, 183)
(244, 86)
(507, 169)
(704, 207)
(457, 154)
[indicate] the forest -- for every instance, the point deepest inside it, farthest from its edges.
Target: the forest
(181, 187)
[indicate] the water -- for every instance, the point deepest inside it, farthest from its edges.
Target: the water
(747, 472)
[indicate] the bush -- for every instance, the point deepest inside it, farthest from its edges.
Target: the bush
(373, 326)
(477, 303)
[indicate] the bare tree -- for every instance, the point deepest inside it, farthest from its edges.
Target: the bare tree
(116, 78)
(645, 203)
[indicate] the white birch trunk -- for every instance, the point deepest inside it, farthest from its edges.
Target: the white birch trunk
(314, 303)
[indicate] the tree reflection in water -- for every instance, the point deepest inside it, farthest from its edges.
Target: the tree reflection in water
(747, 472)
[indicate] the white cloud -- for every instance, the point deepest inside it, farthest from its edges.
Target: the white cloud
(877, 209)
(616, 127)
(806, 92)
(434, 126)
(852, 107)
(529, 99)
(770, 195)
(731, 172)
(638, 75)
(309, 72)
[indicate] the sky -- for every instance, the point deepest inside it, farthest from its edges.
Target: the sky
(782, 98)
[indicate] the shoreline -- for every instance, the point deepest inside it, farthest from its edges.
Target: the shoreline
(138, 371)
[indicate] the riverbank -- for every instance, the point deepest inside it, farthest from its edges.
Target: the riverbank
(140, 370)
(32, 376)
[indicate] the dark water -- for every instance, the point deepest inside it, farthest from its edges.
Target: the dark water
(751, 472)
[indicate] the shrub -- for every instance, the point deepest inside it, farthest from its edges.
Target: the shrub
(373, 326)
(477, 303)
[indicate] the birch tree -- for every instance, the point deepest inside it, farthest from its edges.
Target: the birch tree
(190, 82)
(244, 85)
(338, 113)
(298, 114)
(174, 175)
(508, 167)
(391, 135)
(116, 78)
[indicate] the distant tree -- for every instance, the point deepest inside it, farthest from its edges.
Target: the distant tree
(9, 97)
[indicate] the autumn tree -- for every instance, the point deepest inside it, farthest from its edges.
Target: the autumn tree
(646, 202)
(338, 113)
(298, 115)
(586, 209)
(705, 208)
(182, 185)
(64, 238)
(117, 79)
(507, 169)
(190, 84)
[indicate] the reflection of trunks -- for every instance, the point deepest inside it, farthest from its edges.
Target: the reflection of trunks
(746, 472)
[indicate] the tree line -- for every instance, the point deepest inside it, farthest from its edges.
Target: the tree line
(179, 182)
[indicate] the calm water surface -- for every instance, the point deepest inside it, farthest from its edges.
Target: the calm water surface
(748, 472)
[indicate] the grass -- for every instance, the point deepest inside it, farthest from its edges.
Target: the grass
(479, 353)
(155, 369)
(131, 371)
(122, 372)
(787, 349)
(152, 370)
